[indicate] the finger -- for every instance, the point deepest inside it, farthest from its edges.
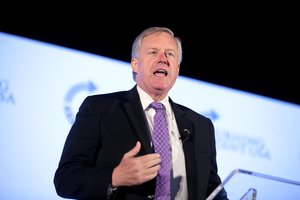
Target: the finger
(133, 151)
(150, 160)
(153, 157)
(151, 172)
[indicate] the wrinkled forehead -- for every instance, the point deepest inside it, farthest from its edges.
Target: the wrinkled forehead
(160, 40)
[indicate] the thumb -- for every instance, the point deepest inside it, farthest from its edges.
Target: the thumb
(133, 151)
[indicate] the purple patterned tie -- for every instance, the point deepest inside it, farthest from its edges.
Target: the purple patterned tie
(162, 146)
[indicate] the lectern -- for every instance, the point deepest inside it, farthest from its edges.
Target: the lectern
(248, 185)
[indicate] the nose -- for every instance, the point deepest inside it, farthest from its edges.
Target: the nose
(162, 55)
(161, 61)
(163, 58)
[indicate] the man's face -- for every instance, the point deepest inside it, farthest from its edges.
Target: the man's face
(157, 66)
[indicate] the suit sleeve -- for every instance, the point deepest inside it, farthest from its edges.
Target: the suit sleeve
(77, 175)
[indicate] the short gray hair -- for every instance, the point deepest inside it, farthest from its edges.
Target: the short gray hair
(136, 46)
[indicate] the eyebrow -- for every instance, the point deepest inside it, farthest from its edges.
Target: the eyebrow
(154, 48)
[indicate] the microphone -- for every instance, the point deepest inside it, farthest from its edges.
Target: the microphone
(185, 135)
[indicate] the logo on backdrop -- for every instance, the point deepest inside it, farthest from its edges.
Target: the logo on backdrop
(5, 95)
(239, 142)
(212, 114)
(243, 144)
(70, 96)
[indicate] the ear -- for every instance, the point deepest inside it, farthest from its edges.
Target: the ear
(134, 64)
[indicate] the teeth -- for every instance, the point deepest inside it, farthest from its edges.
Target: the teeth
(162, 71)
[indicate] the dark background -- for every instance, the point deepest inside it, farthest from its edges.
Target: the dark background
(254, 49)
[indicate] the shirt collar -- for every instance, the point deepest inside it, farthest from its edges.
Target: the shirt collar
(146, 100)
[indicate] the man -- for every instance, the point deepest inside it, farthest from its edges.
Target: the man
(109, 152)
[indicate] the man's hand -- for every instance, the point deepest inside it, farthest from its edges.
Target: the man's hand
(135, 170)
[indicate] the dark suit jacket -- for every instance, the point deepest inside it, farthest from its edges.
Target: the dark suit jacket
(109, 125)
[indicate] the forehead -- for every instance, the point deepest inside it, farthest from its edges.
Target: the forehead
(158, 40)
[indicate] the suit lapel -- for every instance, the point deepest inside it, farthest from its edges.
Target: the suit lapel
(137, 117)
(185, 124)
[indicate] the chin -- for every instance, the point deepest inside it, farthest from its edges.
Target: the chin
(162, 89)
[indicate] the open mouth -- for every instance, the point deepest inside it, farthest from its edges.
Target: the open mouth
(161, 72)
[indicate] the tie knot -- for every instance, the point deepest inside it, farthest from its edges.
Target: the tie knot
(157, 105)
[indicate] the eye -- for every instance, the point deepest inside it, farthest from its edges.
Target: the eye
(152, 52)
(169, 54)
